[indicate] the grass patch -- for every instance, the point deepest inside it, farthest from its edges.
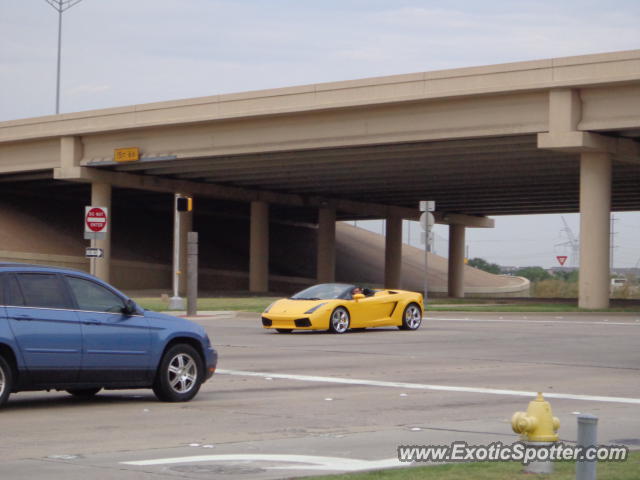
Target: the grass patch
(627, 470)
(244, 304)
(258, 304)
(524, 308)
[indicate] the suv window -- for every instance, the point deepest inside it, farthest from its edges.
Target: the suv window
(41, 290)
(14, 294)
(93, 297)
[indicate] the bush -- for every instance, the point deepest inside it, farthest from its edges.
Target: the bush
(555, 289)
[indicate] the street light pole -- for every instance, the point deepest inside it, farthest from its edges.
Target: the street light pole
(60, 6)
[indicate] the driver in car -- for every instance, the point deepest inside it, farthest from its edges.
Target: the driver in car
(367, 292)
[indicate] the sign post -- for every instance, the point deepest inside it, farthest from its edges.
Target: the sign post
(176, 302)
(96, 226)
(426, 222)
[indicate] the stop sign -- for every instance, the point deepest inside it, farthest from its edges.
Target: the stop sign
(95, 219)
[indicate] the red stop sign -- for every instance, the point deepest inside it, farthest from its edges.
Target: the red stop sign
(96, 219)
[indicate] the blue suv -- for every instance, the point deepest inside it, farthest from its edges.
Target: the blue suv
(65, 330)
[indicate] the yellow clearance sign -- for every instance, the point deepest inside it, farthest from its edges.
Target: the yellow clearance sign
(126, 154)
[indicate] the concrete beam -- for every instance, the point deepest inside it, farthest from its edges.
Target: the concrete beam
(101, 197)
(393, 252)
(455, 278)
(326, 248)
(622, 149)
(158, 184)
(595, 207)
(470, 221)
(259, 248)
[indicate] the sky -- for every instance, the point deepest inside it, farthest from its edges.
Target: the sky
(123, 52)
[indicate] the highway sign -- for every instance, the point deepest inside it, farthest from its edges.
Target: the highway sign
(426, 220)
(126, 154)
(91, 252)
(95, 220)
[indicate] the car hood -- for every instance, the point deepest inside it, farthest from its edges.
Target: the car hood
(286, 306)
(162, 319)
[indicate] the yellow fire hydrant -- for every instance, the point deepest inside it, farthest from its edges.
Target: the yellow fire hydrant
(538, 428)
(538, 424)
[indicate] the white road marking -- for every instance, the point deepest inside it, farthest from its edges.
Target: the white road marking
(530, 322)
(421, 386)
(308, 462)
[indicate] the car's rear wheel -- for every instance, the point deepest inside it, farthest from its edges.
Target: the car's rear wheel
(412, 317)
(84, 393)
(340, 320)
(284, 330)
(6, 380)
(180, 374)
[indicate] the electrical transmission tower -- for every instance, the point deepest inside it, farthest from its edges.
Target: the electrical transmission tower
(60, 6)
(572, 242)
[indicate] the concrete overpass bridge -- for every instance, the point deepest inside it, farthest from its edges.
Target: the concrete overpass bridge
(549, 136)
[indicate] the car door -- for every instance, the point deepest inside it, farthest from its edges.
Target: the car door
(116, 346)
(45, 327)
(372, 311)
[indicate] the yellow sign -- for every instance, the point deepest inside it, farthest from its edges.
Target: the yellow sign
(126, 154)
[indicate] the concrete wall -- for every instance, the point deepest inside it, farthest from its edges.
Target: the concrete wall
(35, 230)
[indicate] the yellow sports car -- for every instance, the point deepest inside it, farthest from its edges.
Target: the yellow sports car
(339, 307)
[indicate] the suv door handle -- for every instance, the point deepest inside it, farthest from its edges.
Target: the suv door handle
(23, 316)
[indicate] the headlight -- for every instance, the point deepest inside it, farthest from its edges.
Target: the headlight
(313, 309)
(266, 310)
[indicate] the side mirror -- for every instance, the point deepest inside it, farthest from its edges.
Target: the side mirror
(358, 296)
(130, 307)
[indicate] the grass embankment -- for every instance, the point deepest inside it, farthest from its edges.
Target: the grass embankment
(627, 470)
(243, 304)
(258, 304)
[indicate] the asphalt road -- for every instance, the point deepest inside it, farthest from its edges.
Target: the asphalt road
(312, 402)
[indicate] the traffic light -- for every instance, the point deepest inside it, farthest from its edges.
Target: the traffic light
(184, 204)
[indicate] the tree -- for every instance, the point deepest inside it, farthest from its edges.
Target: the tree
(534, 274)
(570, 276)
(482, 264)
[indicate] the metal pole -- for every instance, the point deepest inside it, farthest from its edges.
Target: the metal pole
(176, 303)
(60, 6)
(587, 437)
(59, 54)
(426, 264)
(192, 273)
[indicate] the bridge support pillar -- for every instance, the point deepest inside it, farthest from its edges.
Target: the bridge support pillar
(186, 226)
(456, 261)
(393, 252)
(595, 207)
(259, 248)
(101, 197)
(326, 255)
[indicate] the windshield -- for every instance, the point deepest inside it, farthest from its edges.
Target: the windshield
(325, 291)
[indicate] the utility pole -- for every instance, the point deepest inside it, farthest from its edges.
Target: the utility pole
(572, 241)
(60, 6)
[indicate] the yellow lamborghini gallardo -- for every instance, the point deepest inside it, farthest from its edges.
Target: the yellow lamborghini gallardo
(338, 307)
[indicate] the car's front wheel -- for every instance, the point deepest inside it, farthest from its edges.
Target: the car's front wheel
(412, 317)
(339, 321)
(6, 380)
(179, 375)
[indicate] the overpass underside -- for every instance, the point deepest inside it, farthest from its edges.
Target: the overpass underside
(553, 136)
